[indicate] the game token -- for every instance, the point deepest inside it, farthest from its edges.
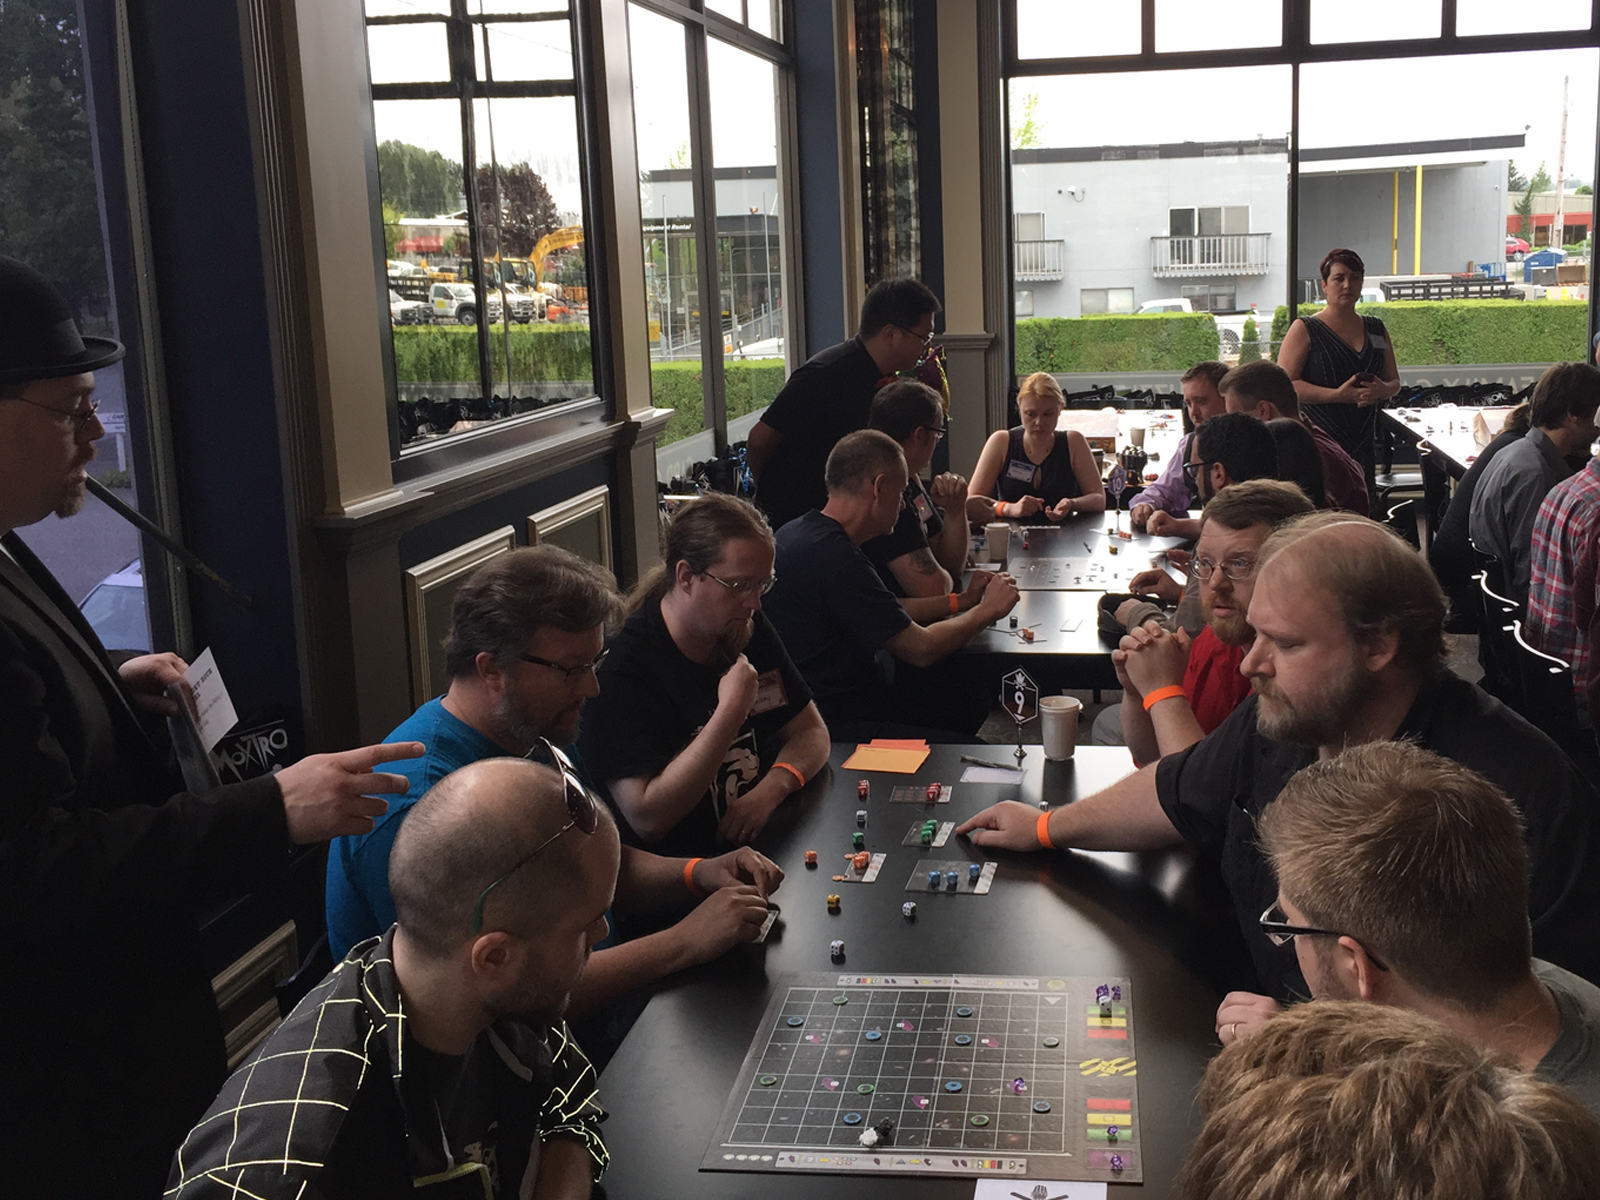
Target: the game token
(838, 878)
(1111, 1133)
(920, 1102)
(836, 947)
(885, 1130)
(980, 1120)
(1019, 1085)
(1041, 1106)
(861, 816)
(1052, 1042)
(831, 1084)
(950, 879)
(833, 899)
(1013, 621)
(927, 837)
(861, 859)
(953, 1086)
(908, 909)
(851, 1118)
(811, 858)
(858, 839)
(907, 1026)
(933, 791)
(1116, 992)
(1027, 634)
(1116, 1162)
(863, 787)
(874, 1035)
(934, 881)
(866, 1089)
(963, 1039)
(796, 1022)
(963, 1011)
(768, 1080)
(841, 999)
(973, 871)
(1113, 549)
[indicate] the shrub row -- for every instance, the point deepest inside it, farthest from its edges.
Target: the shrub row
(449, 353)
(749, 383)
(1152, 342)
(1430, 333)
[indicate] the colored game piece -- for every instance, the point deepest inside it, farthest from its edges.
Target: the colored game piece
(1116, 1162)
(920, 1102)
(836, 947)
(933, 791)
(1102, 996)
(874, 1035)
(908, 910)
(796, 1022)
(1052, 1042)
(1025, 546)
(963, 1011)
(953, 1086)
(935, 881)
(1027, 635)
(861, 816)
(858, 840)
(1041, 1106)
(767, 1080)
(861, 859)
(868, 1139)
(1013, 621)
(863, 788)
(906, 1026)
(1113, 549)
(833, 901)
(1116, 992)
(927, 837)
(851, 1118)
(963, 1039)
(980, 1120)
(950, 878)
(885, 1130)
(1111, 1133)
(838, 878)
(811, 858)
(865, 1089)
(831, 1084)
(973, 871)
(841, 999)
(1019, 1085)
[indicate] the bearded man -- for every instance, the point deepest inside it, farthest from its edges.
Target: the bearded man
(1349, 649)
(703, 726)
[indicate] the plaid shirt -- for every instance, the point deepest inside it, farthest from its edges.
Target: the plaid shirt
(278, 1120)
(1561, 589)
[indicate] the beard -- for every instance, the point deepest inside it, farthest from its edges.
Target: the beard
(524, 730)
(1320, 719)
(73, 494)
(1232, 630)
(731, 642)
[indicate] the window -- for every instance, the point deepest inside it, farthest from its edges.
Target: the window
(1211, 297)
(713, 188)
(481, 178)
(1028, 227)
(891, 227)
(1094, 301)
(1022, 299)
(1058, 28)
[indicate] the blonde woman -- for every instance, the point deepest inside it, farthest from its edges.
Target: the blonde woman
(1035, 473)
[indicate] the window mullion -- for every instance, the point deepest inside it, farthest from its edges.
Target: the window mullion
(705, 207)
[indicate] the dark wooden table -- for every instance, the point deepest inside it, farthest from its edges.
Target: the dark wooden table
(1161, 920)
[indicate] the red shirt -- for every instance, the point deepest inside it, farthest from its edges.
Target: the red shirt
(1212, 681)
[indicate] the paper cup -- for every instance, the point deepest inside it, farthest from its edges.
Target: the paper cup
(1136, 435)
(998, 535)
(1058, 725)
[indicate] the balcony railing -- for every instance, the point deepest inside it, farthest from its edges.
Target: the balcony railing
(1040, 260)
(1219, 254)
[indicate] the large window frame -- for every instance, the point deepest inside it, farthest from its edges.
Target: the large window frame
(1295, 51)
(700, 22)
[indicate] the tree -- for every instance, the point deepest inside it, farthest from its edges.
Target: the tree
(1250, 341)
(1539, 183)
(414, 180)
(1583, 189)
(391, 229)
(527, 211)
(1028, 130)
(1516, 181)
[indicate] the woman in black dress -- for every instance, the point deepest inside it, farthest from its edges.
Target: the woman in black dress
(1342, 363)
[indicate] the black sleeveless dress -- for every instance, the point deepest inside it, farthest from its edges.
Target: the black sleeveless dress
(1052, 480)
(1329, 363)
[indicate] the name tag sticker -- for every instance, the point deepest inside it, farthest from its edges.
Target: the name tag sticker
(769, 693)
(924, 510)
(1021, 471)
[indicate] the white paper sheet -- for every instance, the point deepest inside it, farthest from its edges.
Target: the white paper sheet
(214, 714)
(990, 775)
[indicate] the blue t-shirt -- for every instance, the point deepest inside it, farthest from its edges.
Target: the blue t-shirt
(358, 901)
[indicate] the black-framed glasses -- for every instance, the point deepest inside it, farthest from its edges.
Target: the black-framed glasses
(1191, 470)
(569, 673)
(925, 338)
(940, 432)
(78, 419)
(743, 587)
(582, 812)
(1274, 923)
(1240, 566)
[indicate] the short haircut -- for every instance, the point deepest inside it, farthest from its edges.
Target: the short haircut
(454, 843)
(1519, 419)
(1383, 587)
(517, 593)
(902, 302)
(1044, 385)
(860, 457)
(697, 534)
(1241, 506)
(1209, 370)
(1349, 259)
(904, 406)
(1241, 444)
(1335, 1099)
(1299, 460)
(1453, 919)
(1253, 382)
(1568, 389)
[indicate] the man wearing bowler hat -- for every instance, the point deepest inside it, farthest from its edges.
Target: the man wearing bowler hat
(110, 1040)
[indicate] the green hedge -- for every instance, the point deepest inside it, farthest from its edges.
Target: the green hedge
(749, 384)
(1429, 333)
(1152, 342)
(449, 353)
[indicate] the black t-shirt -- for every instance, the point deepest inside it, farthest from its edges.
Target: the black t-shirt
(834, 614)
(827, 397)
(653, 701)
(1213, 791)
(1052, 481)
(918, 525)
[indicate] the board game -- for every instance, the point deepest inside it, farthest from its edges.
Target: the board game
(1079, 573)
(969, 1075)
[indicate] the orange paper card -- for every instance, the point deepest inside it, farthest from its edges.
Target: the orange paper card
(883, 758)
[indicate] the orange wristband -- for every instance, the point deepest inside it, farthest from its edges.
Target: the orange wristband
(999, 510)
(1162, 693)
(792, 769)
(955, 603)
(1043, 830)
(688, 877)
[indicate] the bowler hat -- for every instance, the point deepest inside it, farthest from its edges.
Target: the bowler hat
(38, 337)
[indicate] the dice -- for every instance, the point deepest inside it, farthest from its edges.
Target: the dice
(833, 901)
(950, 878)
(933, 791)
(861, 816)
(836, 948)
(935, 881)
(858, 840)
(973, 871)
(863, 787)
(811, 858)
(908, 910)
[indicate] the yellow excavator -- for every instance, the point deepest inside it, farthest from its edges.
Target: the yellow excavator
(557, 239)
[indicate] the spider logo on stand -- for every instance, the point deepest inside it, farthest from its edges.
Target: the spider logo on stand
(1040, 1192)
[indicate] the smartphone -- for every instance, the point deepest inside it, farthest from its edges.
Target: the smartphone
(1366, 378)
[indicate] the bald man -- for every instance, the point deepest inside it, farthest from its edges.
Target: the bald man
(1349, 648)
(439, 1051)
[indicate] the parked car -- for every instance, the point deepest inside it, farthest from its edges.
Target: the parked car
(1516, 247)
(1166, 306)
(115, 610)
(408, 312)
(458, 302)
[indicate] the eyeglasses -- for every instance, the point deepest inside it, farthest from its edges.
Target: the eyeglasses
(78, 419)
(925, 338)
(1240, 567)
(743, 587)
(581, 812)
(940, 432)
(1191, 470)
(1275, 924)
(569, 673)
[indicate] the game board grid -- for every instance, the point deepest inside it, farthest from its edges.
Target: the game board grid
(1007, 1016)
